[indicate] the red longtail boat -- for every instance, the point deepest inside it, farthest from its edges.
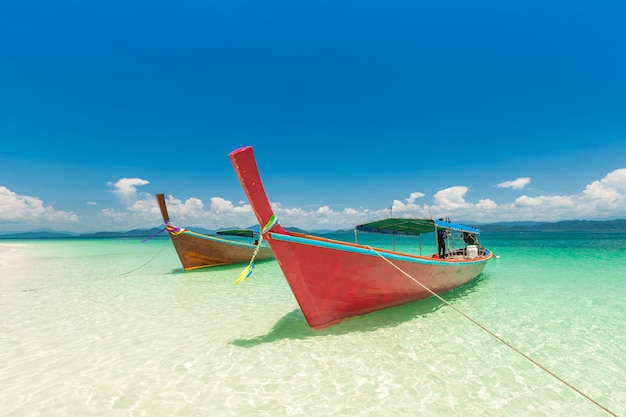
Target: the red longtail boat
(197, 250)
(335, 280)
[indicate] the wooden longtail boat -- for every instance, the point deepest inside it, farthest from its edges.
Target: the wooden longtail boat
(334, 280)
(197, 250)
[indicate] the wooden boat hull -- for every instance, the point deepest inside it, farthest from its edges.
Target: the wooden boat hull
(197, 250)
(202, 251)
(333, 280)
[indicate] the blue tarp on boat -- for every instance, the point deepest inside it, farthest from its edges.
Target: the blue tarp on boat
(411, 227)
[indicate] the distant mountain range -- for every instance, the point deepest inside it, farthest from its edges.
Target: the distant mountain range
(618, 225)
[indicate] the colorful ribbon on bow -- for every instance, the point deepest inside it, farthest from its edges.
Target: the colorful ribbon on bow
(247, 271)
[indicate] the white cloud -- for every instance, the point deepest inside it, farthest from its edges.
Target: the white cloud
(601, 199)
(604, 198)
(413, 197)
(115, 216)
(451, 198)
(610, 188)
(486, 204)
(144, 213)
(517, 184)
(219, 204)
(126, 188)
(15, 208)
(190, 211)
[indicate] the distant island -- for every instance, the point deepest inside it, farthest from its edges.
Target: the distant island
(618, 225)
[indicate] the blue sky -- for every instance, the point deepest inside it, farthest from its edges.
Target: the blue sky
(480, 111)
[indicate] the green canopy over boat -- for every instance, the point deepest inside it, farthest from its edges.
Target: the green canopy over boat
(236, 232)
(411, 227)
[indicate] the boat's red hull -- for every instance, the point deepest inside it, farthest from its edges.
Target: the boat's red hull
(334, 280)
(332, 284)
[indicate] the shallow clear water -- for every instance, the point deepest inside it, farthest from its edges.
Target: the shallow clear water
(115, 327)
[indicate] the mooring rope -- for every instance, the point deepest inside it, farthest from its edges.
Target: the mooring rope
(498, 337)
(147, 262)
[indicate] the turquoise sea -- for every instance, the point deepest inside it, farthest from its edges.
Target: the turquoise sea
(115, 327)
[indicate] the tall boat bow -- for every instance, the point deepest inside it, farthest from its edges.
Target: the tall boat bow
(334, 280)
(197, 250)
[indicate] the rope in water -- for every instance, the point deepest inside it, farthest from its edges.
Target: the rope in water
(148, 261)
(498, 337)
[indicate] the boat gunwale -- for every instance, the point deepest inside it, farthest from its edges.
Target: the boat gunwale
(300, 238)
(215, 238)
